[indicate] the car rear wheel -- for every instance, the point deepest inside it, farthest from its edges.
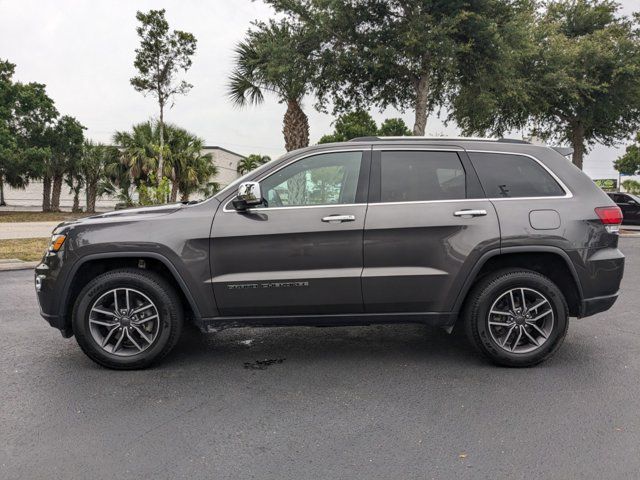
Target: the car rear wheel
(516, 318)
(127, 318)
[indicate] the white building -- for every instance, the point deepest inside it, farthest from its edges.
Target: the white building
(31, 197)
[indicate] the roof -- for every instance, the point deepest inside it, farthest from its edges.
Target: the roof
(445, 139)
(216, 147)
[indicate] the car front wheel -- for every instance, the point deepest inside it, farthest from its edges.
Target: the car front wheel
(127, 318)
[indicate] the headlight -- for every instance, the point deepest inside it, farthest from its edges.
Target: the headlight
(56, 242)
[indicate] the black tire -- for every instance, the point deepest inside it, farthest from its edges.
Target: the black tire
(159, 292)
(487, 291)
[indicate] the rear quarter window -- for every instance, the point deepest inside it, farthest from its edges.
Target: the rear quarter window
(512, 175)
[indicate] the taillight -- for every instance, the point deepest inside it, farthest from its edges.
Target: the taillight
(611, 217)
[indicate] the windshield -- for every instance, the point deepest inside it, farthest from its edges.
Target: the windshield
(635, 197)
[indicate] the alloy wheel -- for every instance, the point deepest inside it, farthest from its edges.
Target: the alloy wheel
(521, 320)
(124, 322)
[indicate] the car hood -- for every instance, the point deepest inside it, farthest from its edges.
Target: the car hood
(126, 215)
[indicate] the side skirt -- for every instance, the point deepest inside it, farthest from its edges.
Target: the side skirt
(436, 319)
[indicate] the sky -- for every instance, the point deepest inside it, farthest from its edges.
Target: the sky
(84, 51)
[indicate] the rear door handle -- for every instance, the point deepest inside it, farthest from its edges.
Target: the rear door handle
(470, 213)
(339, 218)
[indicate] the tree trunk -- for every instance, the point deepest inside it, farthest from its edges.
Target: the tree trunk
(161, 155)
(296, 135)
(46, 193)
(184, 197)
(577, 143)
(295, 127)
(174, 191)
(91, 197)
(422, 103)
(76, 200)
(2, 202)
(55, 193)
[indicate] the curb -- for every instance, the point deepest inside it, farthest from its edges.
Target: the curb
(9, 267)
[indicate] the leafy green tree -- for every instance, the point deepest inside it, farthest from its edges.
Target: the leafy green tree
(251, 162)
(161, 55)
(66, 138)
(351, 125)
(117, 181)
(401, 53)
(95, 158)
(394, 127)
(629, 163)
(185, 167)
(26, 113)
(75, 182)
(275, 57)
(578, 82)
(188, 168)
(361, 124)
(631, 186)
(140, 150)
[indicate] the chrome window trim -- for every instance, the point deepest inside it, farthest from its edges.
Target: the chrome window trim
(453, 200)
(286, 164)
(568, 193)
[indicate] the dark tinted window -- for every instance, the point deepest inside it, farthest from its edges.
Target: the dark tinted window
(513, 176)
(408, 176)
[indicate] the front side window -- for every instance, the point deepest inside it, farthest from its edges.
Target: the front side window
(323, 179)
(510, 175)
(409, 176)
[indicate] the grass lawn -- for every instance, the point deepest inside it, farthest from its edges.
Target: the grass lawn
(27, 249)
(40, 216)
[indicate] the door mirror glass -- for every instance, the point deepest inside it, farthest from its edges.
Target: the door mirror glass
(249, 195)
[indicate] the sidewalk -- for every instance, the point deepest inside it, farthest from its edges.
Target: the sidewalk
(8, 264)
(26, 229)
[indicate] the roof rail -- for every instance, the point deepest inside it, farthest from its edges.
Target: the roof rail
(416, 138)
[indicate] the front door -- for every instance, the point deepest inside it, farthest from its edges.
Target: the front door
(301, 252)
(427, 224)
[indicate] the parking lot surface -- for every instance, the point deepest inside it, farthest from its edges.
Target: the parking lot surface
(379, 402)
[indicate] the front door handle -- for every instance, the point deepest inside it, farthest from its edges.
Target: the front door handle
(339, 218)
(470, 213)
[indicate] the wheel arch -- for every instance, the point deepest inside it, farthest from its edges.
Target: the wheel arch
(550, 261)
(89, 266)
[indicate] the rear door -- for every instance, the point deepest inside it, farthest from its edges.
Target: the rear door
(300, 253)
(427, 224)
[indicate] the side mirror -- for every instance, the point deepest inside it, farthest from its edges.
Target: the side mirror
(249, 195)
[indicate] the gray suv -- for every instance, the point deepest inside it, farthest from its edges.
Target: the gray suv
(500, 239)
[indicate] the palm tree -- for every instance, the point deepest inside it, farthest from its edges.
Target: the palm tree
(185, 163)
(251, 162)
(140, 150)
(95, 159)
(275, 57)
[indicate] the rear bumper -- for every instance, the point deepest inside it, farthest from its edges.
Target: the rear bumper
(591, 306)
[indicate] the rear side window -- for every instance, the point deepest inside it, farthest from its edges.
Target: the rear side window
(504, 176)
(409, 176)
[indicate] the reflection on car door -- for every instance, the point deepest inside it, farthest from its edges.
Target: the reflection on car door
(302, 252)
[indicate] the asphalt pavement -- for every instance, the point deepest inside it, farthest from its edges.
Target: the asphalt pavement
(380, 402)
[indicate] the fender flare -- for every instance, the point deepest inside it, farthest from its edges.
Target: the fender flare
(135, 254)
(472, 277)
